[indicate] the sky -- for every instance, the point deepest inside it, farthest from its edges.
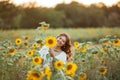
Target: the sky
(52, 3)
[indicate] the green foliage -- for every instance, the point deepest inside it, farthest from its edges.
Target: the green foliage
(8, 12)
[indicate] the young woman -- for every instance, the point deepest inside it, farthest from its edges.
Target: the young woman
(62, 51)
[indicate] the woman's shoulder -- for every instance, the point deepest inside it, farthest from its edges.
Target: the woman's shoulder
(63, 53)
(44, 48)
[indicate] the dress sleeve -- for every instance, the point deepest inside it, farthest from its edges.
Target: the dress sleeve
(45, 55)
(43, 52)
(61, 56)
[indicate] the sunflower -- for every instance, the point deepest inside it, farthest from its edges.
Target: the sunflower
(37, 60)
(47, 72)
(50, 41)
(116, 42)
(11, 51)
(72, 74)
(105, 42)
(30, 52)
(26, 44)
(58, 65)
(39, 42)
(83, 49)
(83, 76)
(76, 44)
(103, 70)
(31, 78)
(70, 68)
(34, 46)
(26, 38)
(44, 27)
(34, 76)
(18, 41)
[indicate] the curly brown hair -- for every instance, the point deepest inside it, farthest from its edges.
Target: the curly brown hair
(67, 48)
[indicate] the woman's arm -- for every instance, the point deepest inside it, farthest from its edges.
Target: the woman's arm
(52, 53)
(62, 56)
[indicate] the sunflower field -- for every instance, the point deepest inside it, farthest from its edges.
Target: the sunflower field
(20, 60)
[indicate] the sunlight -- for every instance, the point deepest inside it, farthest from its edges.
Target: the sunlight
(48, 3)
(17, 2)
(107, 2)
(52, 3)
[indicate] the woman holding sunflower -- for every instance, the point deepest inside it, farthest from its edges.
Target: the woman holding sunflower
(57, 48)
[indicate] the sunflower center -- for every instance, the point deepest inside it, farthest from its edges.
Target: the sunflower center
(69, 67)
(26, 38)
(36, 75)
(102, 70)
(36, 59)
(30, 52)
(11, 50)
(58, 64)
(50, 41)
(18, 41)
(25, 44)
(116, 41)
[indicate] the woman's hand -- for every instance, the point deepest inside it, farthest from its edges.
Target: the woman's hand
(51, 51)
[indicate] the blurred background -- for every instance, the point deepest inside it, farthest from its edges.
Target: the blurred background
(81, 17)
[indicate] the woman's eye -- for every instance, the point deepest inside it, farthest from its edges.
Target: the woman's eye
(62, 40)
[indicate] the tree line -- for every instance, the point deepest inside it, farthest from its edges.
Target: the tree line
(63, 15)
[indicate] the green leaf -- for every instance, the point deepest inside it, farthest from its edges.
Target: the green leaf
(10, 64)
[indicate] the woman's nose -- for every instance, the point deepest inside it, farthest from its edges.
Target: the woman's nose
(60, 40)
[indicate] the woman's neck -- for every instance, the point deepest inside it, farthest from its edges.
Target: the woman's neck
(57, 48)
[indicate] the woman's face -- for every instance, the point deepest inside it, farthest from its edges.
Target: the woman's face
(61, 40)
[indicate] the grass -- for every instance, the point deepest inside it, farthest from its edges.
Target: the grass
(79, 34)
